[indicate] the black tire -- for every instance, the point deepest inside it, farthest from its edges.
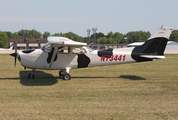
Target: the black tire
(61, 73)
(31, 77)
(66, 76)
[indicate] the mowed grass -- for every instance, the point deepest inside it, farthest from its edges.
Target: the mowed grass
(147, 90)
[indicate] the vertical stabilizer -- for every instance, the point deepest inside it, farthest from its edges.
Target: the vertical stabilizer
(162, 32)
(154, 47)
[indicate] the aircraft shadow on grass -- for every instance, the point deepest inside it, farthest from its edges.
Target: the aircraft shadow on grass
(42, 79)
(130, 77)
(46, 79)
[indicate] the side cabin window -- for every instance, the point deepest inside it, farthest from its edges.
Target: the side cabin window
(66, 50)
(79, 51)
(63, 50)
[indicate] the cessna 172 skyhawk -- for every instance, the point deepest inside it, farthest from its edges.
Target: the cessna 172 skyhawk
(53, 56)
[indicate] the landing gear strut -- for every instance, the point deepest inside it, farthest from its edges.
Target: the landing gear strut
(31, 75)
(65, 74)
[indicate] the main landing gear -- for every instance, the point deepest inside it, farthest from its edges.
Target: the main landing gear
(65, 74)
(62, 73)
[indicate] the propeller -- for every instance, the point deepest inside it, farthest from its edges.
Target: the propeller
(15, 54)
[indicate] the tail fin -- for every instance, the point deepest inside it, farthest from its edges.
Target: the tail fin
(11, 47)
(154, 47)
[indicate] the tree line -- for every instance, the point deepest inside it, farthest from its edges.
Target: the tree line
(110, 38)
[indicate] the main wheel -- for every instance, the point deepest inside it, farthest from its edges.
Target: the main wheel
(31, 76)
(66, 76)
(61, 73)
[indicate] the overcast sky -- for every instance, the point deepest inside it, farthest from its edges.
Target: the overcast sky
(76, 16)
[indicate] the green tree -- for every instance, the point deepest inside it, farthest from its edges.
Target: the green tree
(99, 35)
(110, 35)
(71, 35)
(29, 34)
(137, 36)
(16, 35)
(4, 40)
(174, 36)
(33, 34)
(103, 40)
(59, 34)
(46, 34)
(118, 37)
(13, 35)
(110, 41)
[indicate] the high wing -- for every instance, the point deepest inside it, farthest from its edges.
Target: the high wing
(64, 42)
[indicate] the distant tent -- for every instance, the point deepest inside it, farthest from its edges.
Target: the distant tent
(172, 45)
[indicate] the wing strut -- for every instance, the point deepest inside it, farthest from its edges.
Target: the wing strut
(54, 54)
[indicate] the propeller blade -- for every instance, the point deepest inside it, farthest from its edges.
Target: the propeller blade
(15, 46)
(15, 52)
(14, 55)
(15, 61)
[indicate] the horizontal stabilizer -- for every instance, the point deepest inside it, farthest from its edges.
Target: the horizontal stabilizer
(153, 56)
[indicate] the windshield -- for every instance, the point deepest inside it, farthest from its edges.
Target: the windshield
(89, 49)
(46, 47)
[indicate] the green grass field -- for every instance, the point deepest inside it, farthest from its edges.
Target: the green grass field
(146, 90)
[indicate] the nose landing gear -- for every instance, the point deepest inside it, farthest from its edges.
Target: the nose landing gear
(31, 75)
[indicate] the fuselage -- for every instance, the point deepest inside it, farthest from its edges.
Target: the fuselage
(40, 59)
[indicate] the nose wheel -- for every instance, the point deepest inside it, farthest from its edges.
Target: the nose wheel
(31, 75)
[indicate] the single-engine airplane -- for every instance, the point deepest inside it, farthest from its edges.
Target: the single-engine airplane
(58, 54)
(10, 48)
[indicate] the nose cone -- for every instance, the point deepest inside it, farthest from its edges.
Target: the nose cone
(16, 55)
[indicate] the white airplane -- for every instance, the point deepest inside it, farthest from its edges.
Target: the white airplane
(54, 56)
(11, 47)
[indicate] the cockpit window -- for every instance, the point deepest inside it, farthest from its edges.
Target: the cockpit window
(46, 47)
